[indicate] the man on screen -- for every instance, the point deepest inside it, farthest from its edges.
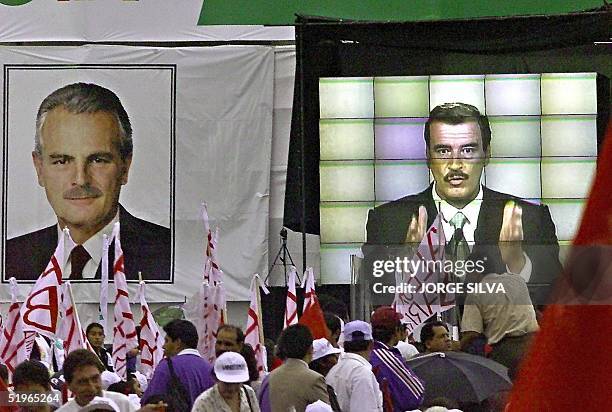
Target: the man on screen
(82, 156)
(507, 233)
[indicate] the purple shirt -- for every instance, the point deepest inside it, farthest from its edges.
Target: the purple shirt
(391, 372)
(194, 372)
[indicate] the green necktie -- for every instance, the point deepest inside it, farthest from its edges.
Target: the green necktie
(458, 247)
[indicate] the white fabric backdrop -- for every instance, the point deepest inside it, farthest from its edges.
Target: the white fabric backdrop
(119, 20)
(224, 99)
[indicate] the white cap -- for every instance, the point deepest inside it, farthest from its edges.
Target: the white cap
(319, 406)
(361, 329)
(100, 403)
(321, 348)
(142, 380)
(231, 367)
(108, 378)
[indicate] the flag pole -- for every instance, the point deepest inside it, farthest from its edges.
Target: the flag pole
(259, 313)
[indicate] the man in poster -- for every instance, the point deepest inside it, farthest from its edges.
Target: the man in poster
(82, 157)
(507, 233)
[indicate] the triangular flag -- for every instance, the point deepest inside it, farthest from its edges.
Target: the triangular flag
(151, 338)
(315, 320)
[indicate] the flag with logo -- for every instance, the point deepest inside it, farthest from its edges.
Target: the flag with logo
(254, 328)
(151, 339)
(13, 339)
(426, 267)
(40, 310)
(309, 288)
(70, 330)
(291, 316)
(124, 329)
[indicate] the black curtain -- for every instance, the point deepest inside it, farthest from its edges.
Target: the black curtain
(327, 48)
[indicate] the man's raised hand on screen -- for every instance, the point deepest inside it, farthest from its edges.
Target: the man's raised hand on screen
(417, 227)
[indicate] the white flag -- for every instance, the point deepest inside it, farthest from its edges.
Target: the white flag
(70, 329)
(151, 339)
(291, 316)
(416, 308)
(104, 283)
(13, 340)
(254, 329)
(40, 310)
(309, 288)
(124, 329)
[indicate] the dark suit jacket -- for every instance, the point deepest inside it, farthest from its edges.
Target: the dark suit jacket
(387, 226)
(146, 247)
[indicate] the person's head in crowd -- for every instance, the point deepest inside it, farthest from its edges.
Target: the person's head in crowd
(180, 334)
(95, 335)
(441, 401)
(333, 305)
(248, 354)
(324, 356)
(229, 338)
(121, 387)
(82, 371)
(4, 375)
(335, 327)
(295, 342)
(31, 376)
(83, 150)
(386, 326)
(358, 338)
(435, 336)
(457, 139)
(108, 378)
(231, 372)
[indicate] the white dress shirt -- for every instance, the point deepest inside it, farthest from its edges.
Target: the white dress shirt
(122, 401)
(471, 211)
(355, 384)
(93, 245)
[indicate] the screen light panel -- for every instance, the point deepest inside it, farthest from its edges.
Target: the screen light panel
(401, 96)
(566, 214)
(451, 89)
(400, 139)
(569, 135)
(513, 94)
(396, 179)
(346, 181)
(519, 177)
(336, 262)
(346, 139)
(346, 98)
(517, 136)
(569, 93)
(568, 178)
(344, 222)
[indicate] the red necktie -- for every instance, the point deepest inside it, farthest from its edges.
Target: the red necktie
(78, 259)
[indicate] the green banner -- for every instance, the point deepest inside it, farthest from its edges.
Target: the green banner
(274, 12)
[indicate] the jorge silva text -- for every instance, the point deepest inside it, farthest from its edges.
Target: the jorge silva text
(444, 288)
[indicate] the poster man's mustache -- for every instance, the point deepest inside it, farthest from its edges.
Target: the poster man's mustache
(82, 192)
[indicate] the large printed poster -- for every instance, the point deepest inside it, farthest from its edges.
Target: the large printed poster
(96, 135)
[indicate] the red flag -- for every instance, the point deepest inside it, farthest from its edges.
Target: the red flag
(568, 365)
(124, 329)
(314, 319)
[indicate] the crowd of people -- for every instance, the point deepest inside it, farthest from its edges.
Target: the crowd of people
(360, 367)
